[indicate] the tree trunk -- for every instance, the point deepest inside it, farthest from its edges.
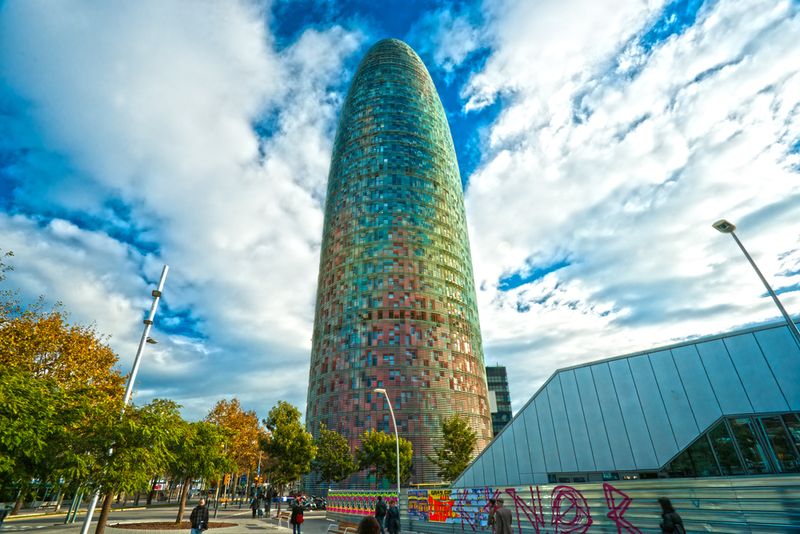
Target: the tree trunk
(152, 492)
(104, 512)
(20, 500)
(182, 506)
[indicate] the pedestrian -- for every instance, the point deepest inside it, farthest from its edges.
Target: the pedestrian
(254, 506)
(393, 518)
(296, 519)
(199, 517)
(502, 519)
(269, 497)
(671, 521)
(380, 512)
(369, 525)
(492, 509)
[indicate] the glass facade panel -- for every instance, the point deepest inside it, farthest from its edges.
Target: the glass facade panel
(792, 421)
(755, 459)
(703, 459)
(783, 450)
(727, 457)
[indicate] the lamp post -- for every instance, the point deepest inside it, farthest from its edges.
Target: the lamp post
(727, 227)
(396, 439)
(145, 339)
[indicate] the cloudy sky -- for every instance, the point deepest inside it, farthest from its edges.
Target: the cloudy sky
(597, 141)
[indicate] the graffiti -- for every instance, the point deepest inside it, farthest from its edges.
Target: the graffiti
(574, 516)
(471, 507)
(534, 512)
(356, 502)
(566, 509)
(617, 509)
(418, 504)
(440, 506)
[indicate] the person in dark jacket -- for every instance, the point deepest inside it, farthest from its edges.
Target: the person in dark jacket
(393, 518)
(380, 512)
(369, 525)
(199, 517)
(296, 519)
(671, 521)
(502, 519)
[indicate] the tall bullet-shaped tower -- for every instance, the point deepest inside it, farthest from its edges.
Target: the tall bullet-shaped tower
(396, 304)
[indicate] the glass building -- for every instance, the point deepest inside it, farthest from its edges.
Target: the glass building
(721, 406)
(499, 397)
(396, 304)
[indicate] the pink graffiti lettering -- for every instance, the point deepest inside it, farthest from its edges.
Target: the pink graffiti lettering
(533, 512)
(570, 512)
(617, 509)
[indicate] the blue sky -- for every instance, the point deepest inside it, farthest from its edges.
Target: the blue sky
(597, 142)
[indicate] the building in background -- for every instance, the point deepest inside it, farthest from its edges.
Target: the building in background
(499, 397)
(396, 305)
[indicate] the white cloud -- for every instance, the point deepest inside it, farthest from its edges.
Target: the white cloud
(152, 105)
(619, 159)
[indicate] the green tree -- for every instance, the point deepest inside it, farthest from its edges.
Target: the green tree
(290, 449)
(199, 453)
(334, 461)
(138, 444)
(378, 453)
(457, 449)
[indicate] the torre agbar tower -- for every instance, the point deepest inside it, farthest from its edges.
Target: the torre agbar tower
(396, 302)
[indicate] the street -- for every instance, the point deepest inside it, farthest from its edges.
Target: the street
(315, 521)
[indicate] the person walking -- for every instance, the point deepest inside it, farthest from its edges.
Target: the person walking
(393, 518)
(296, 519)
(199, 517)
(380, 512)
(254, 506)
(502, 519)
(671, 521)
(492, 510)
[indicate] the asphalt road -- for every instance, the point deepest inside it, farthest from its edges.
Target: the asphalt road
(315, 522)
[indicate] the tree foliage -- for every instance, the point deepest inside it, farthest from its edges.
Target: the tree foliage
(244, 431)
(58, 387)
(334, 460)
(200, 452)
(290, 449)
(457, 448)
(378, 453)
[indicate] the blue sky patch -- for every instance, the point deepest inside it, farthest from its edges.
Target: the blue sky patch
(530, 274)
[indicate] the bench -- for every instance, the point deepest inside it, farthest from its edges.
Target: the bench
(342, 527)
(284, 515)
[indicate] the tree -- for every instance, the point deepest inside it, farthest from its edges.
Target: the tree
(457, 449)
(138, 444)
(199, 453)
(334, 460)
(244, 431)
(57, 387)
(378, 452)
(290, 449)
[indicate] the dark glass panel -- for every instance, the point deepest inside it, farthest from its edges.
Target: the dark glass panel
(782, 448)
(681, 466)
(755, 457)
(726, 453)
(703, 459)
(792, 421)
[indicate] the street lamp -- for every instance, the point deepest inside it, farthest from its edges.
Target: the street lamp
(727, 227)
(396, 439)
(145, 339)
